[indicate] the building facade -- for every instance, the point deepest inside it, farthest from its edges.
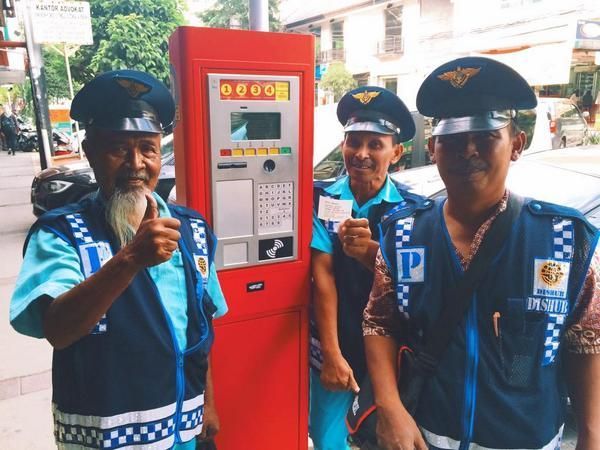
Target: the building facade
(395, 44)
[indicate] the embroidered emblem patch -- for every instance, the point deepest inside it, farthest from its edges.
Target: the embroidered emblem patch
(133, 87)
(411, 264)
(201, 265)
(552, 273)
(366, 97)
(551, 278)
(458, 78)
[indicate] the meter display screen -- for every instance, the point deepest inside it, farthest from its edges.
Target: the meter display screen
(247, 126)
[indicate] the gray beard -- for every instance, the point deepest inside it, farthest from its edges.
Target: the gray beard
(125, 210)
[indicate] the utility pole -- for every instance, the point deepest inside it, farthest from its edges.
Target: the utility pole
(66, 52)
(38, 88)
(259, 15)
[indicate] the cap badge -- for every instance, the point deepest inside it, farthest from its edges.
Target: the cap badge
(134, 88)
(459, 77)
(366, 97)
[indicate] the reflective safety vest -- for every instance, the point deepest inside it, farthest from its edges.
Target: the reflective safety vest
(127, 383)
(353, 282)
(496, 387)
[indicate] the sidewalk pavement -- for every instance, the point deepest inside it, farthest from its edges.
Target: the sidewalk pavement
(25, 418)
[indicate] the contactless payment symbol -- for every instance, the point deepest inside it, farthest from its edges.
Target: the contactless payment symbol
(255, 90)
(269, 249)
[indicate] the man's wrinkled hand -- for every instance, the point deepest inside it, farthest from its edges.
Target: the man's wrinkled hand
(210, 423)
(397, 430)
(156, 238)
(337, 375)
(355, 237)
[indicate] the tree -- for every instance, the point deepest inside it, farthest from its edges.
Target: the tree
(129, 34)
(57, 85)
(337, 80)
(227, 12)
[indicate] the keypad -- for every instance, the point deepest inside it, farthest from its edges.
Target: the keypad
(275, 207)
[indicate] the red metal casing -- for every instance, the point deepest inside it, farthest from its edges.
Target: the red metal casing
(260, 357)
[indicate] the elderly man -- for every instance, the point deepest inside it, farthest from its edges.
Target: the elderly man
(123, 287)
(531, 320)
(375, 122)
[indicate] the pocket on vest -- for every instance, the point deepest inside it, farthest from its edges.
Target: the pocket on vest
(521, 341)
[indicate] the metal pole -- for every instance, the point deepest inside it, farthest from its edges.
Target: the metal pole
(68, 66)
(259, 15)
(38, 89)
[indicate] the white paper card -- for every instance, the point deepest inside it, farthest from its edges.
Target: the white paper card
(334, 210)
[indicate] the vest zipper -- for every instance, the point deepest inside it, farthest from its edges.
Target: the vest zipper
(472, 362)
(179, 379)
(199, 303)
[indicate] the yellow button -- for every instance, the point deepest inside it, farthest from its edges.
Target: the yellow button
(274, 151)
(238, 152)
(263, 151)
(250, 152)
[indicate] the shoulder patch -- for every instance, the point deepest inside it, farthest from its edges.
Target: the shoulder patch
(540, 208)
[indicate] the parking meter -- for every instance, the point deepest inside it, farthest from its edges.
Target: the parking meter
(243, 158)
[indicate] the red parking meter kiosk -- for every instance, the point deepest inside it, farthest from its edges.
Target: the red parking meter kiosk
(243, 147)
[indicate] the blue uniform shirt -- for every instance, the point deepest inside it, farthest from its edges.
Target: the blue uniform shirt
(341, 190)
(52, 266)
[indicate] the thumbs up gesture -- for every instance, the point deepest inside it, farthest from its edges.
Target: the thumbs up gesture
(156, 238)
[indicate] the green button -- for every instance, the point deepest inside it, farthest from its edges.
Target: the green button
(286, 150)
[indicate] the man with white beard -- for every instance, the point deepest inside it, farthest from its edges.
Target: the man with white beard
(123, 286)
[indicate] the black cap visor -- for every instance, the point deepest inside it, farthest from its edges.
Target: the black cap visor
(492, 120)
(137, 124)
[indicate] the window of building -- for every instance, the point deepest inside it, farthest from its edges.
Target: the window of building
(362, 79)
(391, 84)
(392, 42)
(337, 35)
(393, 22)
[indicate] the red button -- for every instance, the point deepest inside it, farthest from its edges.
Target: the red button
(225, 152)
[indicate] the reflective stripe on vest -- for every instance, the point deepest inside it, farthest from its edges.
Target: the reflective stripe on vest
(154, 428)
(403, 231)
(201, 253)
(93, 254)
(449, 443)
(563, 240)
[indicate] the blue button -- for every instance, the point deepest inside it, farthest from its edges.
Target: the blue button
(536, 206)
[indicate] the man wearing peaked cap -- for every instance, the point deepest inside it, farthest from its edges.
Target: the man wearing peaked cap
(123, 286)
(375, 122)
(531, 319)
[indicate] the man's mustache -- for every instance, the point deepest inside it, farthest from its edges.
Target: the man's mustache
(468, 166)
(361, 163)
(139, 175)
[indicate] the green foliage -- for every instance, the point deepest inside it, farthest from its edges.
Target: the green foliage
(131, 34)
(224, 12)
(337, 80)
(57, 85)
